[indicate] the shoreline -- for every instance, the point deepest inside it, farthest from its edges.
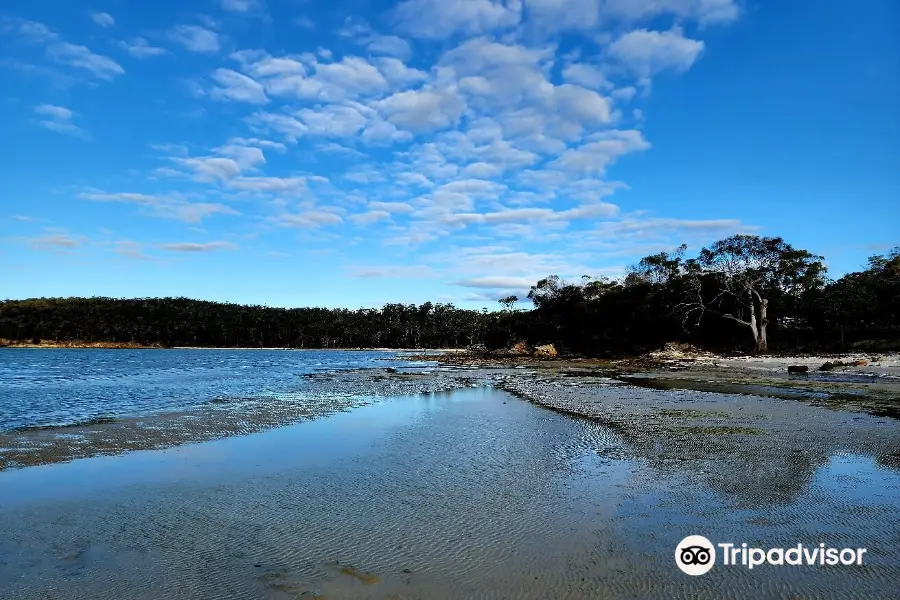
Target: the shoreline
(655, 400)
(658, 359)
(8, 344)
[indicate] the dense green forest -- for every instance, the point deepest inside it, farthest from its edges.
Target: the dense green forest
(744, 292)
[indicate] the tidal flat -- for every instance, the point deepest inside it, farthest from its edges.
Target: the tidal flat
(454, 481)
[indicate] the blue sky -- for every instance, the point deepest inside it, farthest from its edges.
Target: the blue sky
(353, 152)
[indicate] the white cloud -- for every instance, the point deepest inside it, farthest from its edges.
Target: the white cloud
(398, 272)
(198, 247)
(262, 65)
(354, 27)
(704, 11)
(57, 241)
(423, 110)
(389, 45)
(59, 113)
(196, 38)
(428, 161)
(247, 157)
(332, 121)
(162, 206)
(474, 187)
(210, 168)
(500, 269)
(398, 74)
(646, 227)
(624, 94)
(594, 156)
(340, 120)
(586, 75)
(310, 219)
(120, 197)
(273, 185)
(335, 148)
(368, 218)
(131, 249)
(502, 130)
(287, 126)
(365, 175)
(238, 87)
(522, 215)
(140, 48)
(582, 106)
(412, 238)
(482, 169)
(61, 127)
(307, 78)
(646, 53)
(381, 133)
(58, 119)
(354, 75)
(103, 19)
(498, 75)
(81, 57)
(302, 87)
(439, 19)
(241, 6)
(194, 212)
(559, 15)
(498, 282)
(391, 207)
(60, 51)
(269, 144)
(486, 145)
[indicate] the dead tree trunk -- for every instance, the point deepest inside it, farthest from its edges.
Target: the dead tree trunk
(752, 323)
(748, 299)
(756, 325)
(762, 343)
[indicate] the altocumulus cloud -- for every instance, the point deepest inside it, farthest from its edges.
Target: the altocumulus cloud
(492, 127)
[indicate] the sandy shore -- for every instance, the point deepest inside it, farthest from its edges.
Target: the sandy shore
(875, 364)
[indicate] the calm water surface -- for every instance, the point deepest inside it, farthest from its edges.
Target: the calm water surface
(466, 494)
(469, 494)
(45, 387)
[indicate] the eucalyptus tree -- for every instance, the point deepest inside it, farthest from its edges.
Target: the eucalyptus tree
(746, 273)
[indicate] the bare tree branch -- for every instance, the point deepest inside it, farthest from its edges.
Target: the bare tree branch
(735, 319)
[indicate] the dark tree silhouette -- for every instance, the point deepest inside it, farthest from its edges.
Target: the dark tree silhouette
(747, 271)
(771, 290)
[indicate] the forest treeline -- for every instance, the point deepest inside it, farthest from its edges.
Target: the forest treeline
(743, 292)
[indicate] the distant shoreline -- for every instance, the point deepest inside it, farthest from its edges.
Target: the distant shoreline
(76, 345)
(110, 345)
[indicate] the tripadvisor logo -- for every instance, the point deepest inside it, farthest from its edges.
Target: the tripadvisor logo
(696, 555)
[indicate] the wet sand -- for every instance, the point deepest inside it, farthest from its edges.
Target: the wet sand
(315, 397)
(470, 493)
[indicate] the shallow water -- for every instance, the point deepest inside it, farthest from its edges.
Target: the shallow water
(468, 494)
(44, 387)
